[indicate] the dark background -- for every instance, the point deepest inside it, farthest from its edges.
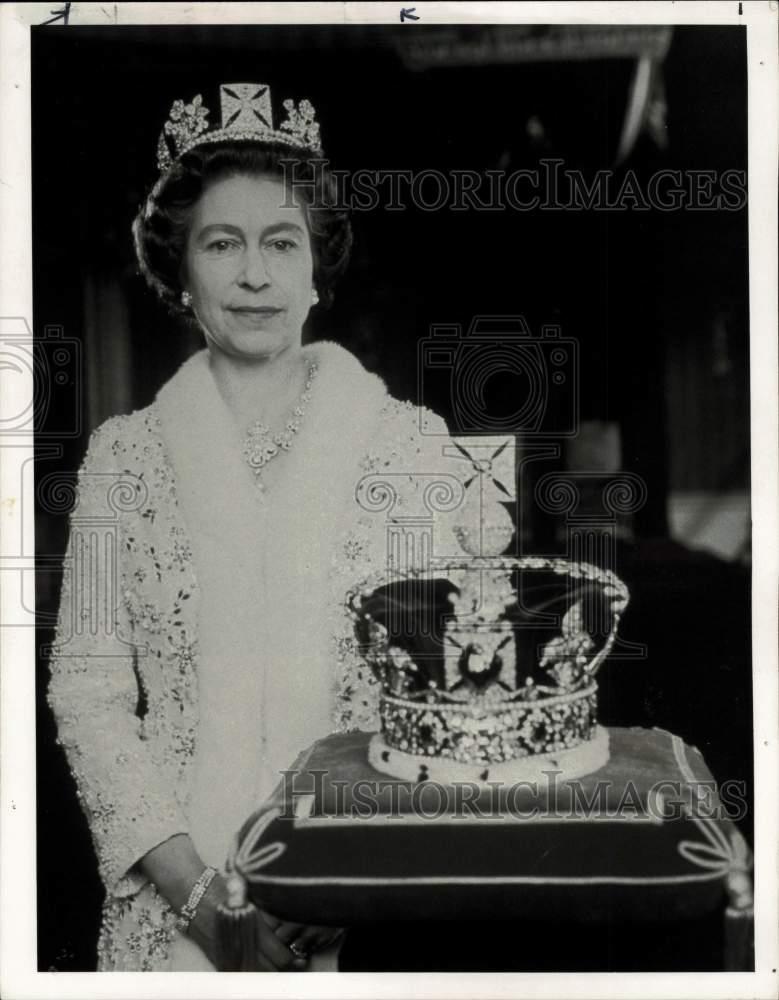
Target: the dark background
(657, 301)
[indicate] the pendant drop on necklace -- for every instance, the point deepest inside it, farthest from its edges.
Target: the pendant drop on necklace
(261, 447)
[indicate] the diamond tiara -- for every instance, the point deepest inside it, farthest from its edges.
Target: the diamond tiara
(246, 116)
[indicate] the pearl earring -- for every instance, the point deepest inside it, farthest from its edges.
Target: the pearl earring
(314, 296)
(186, 300)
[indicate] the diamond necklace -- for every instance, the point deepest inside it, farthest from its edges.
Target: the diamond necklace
(261, 447)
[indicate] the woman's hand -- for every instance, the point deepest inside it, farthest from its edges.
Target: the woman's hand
(275, 938)
(302, 939)
(273, 951)
(174, 866)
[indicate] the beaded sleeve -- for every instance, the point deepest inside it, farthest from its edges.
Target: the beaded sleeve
(94, 689)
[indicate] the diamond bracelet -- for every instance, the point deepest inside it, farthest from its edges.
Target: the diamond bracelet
(199, 889)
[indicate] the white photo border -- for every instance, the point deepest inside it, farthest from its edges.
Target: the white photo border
(18, 976)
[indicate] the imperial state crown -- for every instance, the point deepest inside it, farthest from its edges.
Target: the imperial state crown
(487, 666)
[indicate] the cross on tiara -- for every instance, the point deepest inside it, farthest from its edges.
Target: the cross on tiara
(245, 105)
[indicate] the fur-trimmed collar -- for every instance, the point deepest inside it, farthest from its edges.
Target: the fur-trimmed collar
(264, 568)
(205, 447)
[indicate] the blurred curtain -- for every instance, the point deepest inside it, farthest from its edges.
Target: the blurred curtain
(108, 350)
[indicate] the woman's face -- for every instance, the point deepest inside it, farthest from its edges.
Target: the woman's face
(248, 267)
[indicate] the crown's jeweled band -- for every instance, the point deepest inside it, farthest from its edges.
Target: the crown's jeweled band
(564, 764)
(472, 733)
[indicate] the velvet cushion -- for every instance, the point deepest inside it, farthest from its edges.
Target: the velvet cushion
(341, 843)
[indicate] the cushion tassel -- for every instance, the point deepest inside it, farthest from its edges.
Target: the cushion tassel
(237, 929)
(739, 923)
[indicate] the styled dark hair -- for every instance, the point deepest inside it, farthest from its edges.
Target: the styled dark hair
(160, 227)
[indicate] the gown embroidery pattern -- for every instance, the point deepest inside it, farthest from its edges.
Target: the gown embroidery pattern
(128, 722)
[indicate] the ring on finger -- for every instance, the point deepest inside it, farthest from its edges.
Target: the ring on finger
(298, 951)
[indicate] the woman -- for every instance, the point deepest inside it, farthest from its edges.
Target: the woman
(228, 649)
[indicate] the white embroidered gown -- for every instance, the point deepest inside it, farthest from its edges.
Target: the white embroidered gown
(229, 620)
